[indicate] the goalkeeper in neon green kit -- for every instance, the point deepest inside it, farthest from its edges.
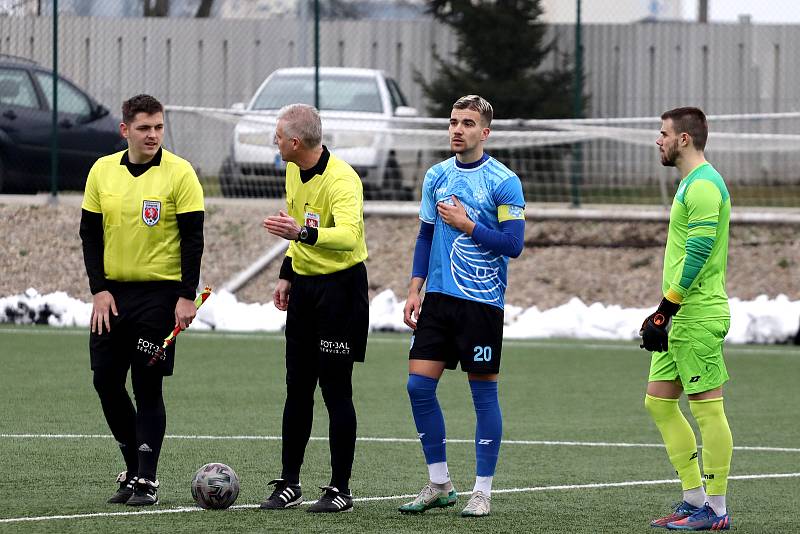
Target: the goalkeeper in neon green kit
(689, 357)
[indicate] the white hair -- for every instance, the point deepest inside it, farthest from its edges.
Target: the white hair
(302, 121)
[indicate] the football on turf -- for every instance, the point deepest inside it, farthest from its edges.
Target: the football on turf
(215, 486)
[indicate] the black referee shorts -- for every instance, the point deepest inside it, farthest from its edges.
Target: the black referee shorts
(454, 330)
(328, 315)
(146, 317)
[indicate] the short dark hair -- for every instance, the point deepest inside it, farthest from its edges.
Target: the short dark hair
(476, 103)
(691, 121)
(140, 104)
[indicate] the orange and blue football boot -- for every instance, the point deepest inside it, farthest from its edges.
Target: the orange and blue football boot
(682, 511)
(703, 519)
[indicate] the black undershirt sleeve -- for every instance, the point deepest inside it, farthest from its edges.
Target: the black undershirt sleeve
(190, 226)
(287, 273)
(91, 232)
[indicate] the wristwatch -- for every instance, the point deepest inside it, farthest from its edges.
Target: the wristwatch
(303, 234)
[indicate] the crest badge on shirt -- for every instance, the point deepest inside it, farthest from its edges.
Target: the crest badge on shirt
(151, 212)
(312, 219)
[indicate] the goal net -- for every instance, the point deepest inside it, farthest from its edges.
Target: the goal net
(577, 162)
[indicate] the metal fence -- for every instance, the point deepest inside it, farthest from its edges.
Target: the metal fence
(632, 70)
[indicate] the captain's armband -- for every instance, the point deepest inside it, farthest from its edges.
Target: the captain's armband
(507, 212)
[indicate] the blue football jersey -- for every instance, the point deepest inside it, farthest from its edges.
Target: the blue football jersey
(459, 266)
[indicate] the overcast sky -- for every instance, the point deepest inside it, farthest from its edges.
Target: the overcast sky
(763, 11)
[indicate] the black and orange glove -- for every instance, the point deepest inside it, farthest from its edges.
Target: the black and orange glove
(654, 328)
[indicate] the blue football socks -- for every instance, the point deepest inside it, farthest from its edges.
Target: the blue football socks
(427, 417)
(489, 429)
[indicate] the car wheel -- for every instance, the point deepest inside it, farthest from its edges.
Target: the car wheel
(228, 179)
(393, 178)
(3, 174)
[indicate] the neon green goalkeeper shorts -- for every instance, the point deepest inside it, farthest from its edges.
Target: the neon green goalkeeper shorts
(694, 356)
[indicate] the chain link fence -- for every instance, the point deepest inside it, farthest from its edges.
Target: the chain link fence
(224, 67)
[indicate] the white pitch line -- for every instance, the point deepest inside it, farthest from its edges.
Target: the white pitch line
(599, 485)
(393, 440)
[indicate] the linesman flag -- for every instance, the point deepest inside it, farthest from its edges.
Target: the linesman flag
(170, 339)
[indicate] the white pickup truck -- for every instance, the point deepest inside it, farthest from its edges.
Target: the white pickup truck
(356, 106)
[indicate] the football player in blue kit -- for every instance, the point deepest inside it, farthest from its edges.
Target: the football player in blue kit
(472, 220)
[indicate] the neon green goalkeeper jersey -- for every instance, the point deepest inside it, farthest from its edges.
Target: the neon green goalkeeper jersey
(696, 256)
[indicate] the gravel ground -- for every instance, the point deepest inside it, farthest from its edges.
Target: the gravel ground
(608, 262)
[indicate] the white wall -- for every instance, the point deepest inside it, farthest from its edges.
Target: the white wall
(631, 69)
(611, 12)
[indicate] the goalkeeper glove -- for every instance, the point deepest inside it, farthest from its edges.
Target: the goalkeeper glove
(654, 328)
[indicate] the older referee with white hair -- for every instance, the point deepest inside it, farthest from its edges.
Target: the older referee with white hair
(323, 287)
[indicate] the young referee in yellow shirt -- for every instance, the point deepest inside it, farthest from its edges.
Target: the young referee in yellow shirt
(323, 287)
(142, 233)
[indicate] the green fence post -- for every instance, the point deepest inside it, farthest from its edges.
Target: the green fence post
(316, 54)
(54, 125)
(577, 109)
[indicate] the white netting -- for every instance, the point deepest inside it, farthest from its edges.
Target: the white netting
(577, 161)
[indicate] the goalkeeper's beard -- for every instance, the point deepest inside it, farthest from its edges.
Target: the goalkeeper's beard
(669, 155)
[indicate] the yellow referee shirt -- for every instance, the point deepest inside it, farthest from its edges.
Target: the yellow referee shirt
(332, 202)
(141, 241)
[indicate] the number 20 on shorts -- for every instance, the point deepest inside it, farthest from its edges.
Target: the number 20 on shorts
(482, 354)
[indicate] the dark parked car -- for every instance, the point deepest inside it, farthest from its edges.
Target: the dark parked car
(86, 129)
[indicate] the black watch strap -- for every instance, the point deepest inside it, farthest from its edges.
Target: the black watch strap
(308, 235)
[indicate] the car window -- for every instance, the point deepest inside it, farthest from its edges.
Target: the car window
(396, 94)
(336, 93)
(70, 100)
(16, 89)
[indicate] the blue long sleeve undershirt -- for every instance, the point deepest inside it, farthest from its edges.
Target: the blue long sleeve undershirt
(422, 250)
(508, 242)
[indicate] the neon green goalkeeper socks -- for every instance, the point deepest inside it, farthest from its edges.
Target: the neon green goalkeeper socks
(678, 438)
(717, 443)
